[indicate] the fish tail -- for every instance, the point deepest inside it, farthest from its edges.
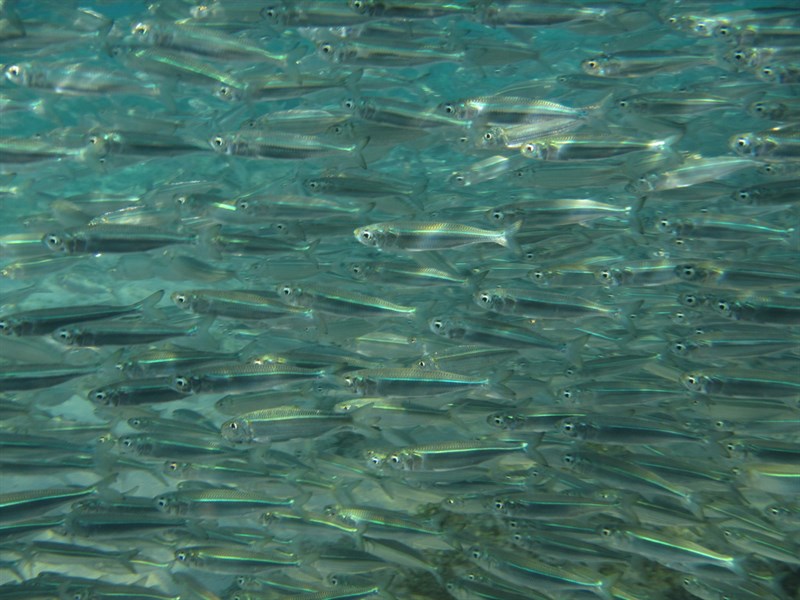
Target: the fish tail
(509, 238)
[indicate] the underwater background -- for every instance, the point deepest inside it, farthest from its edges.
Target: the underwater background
(395, 299)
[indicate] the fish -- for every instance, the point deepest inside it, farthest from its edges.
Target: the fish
(421, 237)
(44, 320)
(559, 360)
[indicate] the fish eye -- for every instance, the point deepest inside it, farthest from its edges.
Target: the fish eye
(53, 240)
(739, 55)
(366, 235)
(767, 72)
(14, 70)
(449, 109)
(141, 29)
(181, 556)
(475, 553)
(498, 215)
(499, 504)
(688, 271)
(326, 48)
(742, 142)
(375, 460)
(605, 532)
(679, 348)
(349, 104)
(172, 466)
(566, 394)
(181, 383)
(161, 501)
(233, 426)
(700, 27)
(312, 184)
(243, 205)
(743, 195)
(286, 291)
(64, 334)
(690, 300)
(568, 427)
(592, 64)
(437, 324)
(723, 30)
(672, 20)
(100, 396)
(605, 275)
(497, 420)
(623, 104)
(537, 275)
(488, 136)
(394, 459)
(569, 459)
(485, 298)
(528, 149)
(127, 442)
(218, 142)
(180, 299)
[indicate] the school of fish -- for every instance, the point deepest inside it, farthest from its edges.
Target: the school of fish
(399, 299)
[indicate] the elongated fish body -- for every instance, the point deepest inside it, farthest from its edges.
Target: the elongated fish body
(421, 237)
(112, 238)
(45, 320)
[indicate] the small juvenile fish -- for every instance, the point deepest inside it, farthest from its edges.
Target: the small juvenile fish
(45, 320)
(283, 423)
(112, 238)
(420, 236)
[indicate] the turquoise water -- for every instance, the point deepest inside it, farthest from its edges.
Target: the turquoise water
(399, 300)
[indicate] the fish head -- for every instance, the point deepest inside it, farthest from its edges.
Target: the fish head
(9, 326)
(535, 150)
(103, 397)
(173, 468)
(375, 459)
(57, 242)
(67, 335)
(184, 300)
(695, 382)
(18, 74)
(503, 420)
(371, 236)
(445, 327)
(290, 294)
(237, 431)
(690, 272)
(745, 144)
(680, 347)
(489, 299)
(187, 556)
(184, 384)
